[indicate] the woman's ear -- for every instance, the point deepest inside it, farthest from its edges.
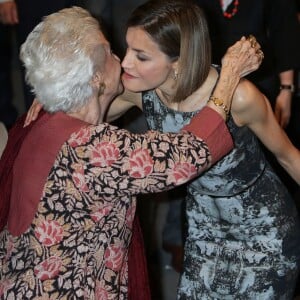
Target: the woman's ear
(175, 66)
(98, 83)
(97, 79)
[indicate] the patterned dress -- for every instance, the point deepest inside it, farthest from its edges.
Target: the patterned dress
(243, 237)
(76, 245)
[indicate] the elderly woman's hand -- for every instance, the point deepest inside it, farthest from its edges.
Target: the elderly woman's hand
(244, 57)
(33, 112)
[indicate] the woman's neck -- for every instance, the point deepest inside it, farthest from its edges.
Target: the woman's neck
(90, 113)
(193, 102)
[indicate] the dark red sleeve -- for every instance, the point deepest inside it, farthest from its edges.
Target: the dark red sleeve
(210, 126)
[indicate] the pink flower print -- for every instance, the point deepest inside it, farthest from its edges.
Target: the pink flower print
(114, 257)
(104, 154)
(182, 172)
(5, 285)
(79, 177)
(49, 233)
(99, 212)
(10, 248)
(130, 215)
(80, 138)
(48, 268)
(101, 292)
(141, 163)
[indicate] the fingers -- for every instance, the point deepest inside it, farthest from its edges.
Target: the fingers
(28, 119)
(252, 40)
(256, 46)
(33, 112)
(244, 57)
(260, 54)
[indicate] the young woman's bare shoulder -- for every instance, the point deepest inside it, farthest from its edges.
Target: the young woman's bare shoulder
(248, 103)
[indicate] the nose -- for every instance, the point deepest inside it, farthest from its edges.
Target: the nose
(127, 61)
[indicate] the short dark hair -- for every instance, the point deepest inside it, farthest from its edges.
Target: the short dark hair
(180, 30)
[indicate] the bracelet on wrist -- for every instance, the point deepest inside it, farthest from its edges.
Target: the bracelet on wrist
(289, 87)
(220, 103)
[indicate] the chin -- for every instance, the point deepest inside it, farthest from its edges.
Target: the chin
(120, 88)
(130, 86)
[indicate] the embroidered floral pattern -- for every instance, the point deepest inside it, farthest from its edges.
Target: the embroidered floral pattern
(48, 268)
(181, 172)
(78, 241)
(79, 177)
(49, 233)
(141, 163)
(114, 257)
(104, 154)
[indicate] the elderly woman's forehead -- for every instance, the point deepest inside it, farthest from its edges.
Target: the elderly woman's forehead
(103, 39)
(97, 40)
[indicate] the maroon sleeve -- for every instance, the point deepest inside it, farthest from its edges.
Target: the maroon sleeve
(210, 126)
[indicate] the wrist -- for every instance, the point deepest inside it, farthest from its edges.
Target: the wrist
(227, 83)
(220, 106)
(287, 87)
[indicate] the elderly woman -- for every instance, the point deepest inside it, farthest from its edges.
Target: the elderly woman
(68, 192)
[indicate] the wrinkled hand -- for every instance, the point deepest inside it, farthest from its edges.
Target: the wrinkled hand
(9, 13)
(33, 112)
(244, 57)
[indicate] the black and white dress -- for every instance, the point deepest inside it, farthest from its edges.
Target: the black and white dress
(243, 237)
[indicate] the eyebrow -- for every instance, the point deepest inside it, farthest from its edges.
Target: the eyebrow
(140, 51)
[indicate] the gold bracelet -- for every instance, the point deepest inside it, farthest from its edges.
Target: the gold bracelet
(219, 102)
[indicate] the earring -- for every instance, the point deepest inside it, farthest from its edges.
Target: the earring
(175, 77)
(101, 89)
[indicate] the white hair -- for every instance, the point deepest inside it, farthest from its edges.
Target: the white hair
(61, 56)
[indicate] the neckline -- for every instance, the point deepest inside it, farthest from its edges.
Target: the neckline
(162, 103)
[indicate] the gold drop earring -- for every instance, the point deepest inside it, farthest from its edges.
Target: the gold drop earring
(175, 77)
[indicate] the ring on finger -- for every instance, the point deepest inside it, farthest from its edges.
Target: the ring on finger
(252, 40)
(260, 54)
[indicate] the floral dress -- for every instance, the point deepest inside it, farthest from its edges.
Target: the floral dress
(243, 239)
(76, 246)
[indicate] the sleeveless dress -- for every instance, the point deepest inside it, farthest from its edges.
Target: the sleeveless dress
(243, 238)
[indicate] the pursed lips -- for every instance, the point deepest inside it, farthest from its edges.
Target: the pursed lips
(128, 76)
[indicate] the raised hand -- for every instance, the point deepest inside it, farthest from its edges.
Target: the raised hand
(244, 57)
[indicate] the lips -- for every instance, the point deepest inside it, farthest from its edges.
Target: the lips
(128, 76)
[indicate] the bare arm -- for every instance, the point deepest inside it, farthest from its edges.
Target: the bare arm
(251, 108)
(284, 99)
(123, 103)
(239, 60)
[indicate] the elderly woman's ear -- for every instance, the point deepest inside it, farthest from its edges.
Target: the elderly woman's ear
(98, 83)
(102, 87)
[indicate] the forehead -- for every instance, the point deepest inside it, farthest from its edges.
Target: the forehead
(102, 40)
(139, 39)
